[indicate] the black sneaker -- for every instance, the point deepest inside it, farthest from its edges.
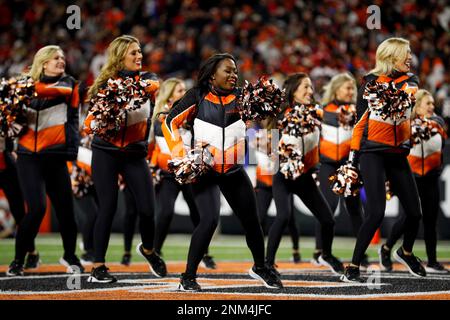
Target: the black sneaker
(101, 275)
(73, 264)
(188, 283)
(315, 259)
(365, 264)
(273, 268)
(208, 262)
(126, 259)
(32, 261)
(412, 263)
(333, 263)
(87, 259)
(385, 259)
(436, 267)
(296, 258)
(351, 274)
(266, 276)
(15, 269)
(157, 265)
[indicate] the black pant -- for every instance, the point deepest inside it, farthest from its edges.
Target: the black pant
(9, 182)
(375, 168)
(428, 187)
(166, 195)
(130, 219)
(305, 187)
(106, 167)
(88, 208)
(38, 176)
(264, 197)
(238, 191)
(353, 204)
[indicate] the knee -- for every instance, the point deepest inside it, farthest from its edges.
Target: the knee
(328, 222)
(209, 224)
(37, 209)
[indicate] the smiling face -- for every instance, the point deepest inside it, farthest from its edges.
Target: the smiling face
(178, 92)
(345, 92)
(304, 92)
(404, 64)
(426, 106)
(226, 75)
(133, 58)
(56, 66)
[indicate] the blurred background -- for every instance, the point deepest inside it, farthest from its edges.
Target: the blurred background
(274, 37)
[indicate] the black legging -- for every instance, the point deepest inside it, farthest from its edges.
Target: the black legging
(39, 175)
(353, 204)
(88, 207)
(375, 168)
(238, 191)
(130, 218)
(264, 197)
(428, 187)
(9, 182)
(106, 167)
(167, 193)
(305, 187)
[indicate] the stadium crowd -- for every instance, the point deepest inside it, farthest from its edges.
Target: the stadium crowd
(275, 37)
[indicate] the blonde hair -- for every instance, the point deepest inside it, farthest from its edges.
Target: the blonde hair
(388, 53)
(117, 50)
(43, 55)
(333, 86)
(165, 92)
(420, 94)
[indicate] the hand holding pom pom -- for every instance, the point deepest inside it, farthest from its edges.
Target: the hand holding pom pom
(82, 182)
(15, 95)
(301, 120)
(197, 162)
(156, 174)
(347, 179)
(260, 101)
(291, 165)
(386, 101)
(422, 130)
(110, 105)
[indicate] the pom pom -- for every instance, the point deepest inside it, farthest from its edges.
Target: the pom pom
(347, 116)
(156, 174)
(111, 104)
(346, 181)
(386, 101)
(15, 96)
(301, 120)
(197, 162)
(82, 182)
(291, 165)
(422, 130)
(260, 101)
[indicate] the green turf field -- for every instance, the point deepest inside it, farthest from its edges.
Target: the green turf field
(231, 248)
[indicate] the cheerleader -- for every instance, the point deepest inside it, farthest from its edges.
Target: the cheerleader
(381, 143)
(50, 140)
(210, 107)
(338, 120)
(264, 172)
(85, 197)
(10, 184)
(123, 153)
(426, 161)
(299, 91)
(167, 189)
